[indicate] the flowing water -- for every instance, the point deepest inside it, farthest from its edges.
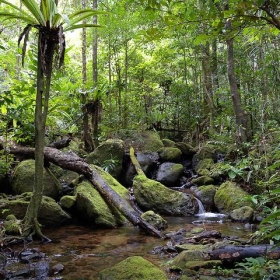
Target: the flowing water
(84, 252)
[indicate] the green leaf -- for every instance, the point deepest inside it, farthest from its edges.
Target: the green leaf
(26, 19)
(78, 26)
(4, 110)
(34, 9)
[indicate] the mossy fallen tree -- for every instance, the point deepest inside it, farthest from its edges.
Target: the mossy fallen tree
(71, 161)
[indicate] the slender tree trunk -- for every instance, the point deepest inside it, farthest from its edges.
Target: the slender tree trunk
(88, 142)
(240, 115)
(125, 113)
(31, 225)
(96, 113)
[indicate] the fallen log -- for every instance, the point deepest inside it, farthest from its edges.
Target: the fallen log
(238, 253)
(71, 161)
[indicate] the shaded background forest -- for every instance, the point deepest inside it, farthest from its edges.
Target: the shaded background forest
(160, 65)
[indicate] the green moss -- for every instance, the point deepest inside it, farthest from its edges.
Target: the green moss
(67, 201)
(168, 143)
(23, 180)
(153, 195)
(195, 265)
(230, 196)
(155, 220)
(204, 164)
(203, 180)
(91, 206)
(170, 154)
(185, 148)
(133, 268)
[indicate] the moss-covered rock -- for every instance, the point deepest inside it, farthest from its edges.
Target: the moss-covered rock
(169, 173)
(91, 206)
(12, 225)
(197, 253)
(185, 148)
(195, 265)
(23, 180)
(168, 143)
(133, 268)
(155, 220)
(242, 214)
(169, 154)
(152, 195)
(50, 213)
(67, 201)
(204, 164)
(202, 180)
(206, 195)
(109, 155)
(219, 170)
(144, 141)
(230, 196)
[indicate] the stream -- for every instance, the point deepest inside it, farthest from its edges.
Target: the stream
(84, 251)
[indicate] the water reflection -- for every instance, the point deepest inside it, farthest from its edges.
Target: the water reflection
(84, 251)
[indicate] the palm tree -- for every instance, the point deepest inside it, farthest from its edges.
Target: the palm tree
(50, 26)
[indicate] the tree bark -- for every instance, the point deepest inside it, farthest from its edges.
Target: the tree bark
(74, 163)
(240, 114)
(238, 253)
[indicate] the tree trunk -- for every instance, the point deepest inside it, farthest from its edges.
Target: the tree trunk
(96, 114)
(31, 225)
(76, 164)
(240, 115)
(239, 253)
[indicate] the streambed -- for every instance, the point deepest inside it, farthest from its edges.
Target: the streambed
(84, 252)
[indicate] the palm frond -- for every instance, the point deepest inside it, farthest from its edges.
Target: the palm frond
(34, 9)
(83, 14)
(78, 26)
(24, 18)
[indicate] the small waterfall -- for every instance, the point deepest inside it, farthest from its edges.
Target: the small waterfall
(201, 209)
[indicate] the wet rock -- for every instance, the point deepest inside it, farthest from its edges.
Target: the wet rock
(109, 155)
(206, 195)
(169, 154)
(230, 196)
(186, 149)
(133, 268)
(152, 195)
(242, 214)
(202, 180)
(155, 220)
(169, 173)
(91, 207)
(57, 268)
(41, 270)
(50, 213)
(23, 180)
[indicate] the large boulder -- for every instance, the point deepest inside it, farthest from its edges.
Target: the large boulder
(152, 195)
(169, 173)
(206, 195)
(23, 180)
(133, 268)
(92, 208)
(230, 196)
(169, 154)
(144, 141)
(50, 213)
(186, 149)
(109, 155)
